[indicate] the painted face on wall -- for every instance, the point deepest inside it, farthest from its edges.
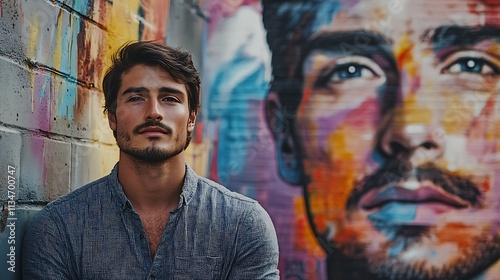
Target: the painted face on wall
(398, 131)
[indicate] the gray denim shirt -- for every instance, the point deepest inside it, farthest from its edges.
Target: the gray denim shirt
(94, 233)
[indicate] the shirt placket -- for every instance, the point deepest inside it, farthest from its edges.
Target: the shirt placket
(163, 263)
(137, 237)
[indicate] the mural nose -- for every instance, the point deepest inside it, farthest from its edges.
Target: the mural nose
(413, 140)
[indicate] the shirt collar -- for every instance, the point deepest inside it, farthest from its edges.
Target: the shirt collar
(188, 188)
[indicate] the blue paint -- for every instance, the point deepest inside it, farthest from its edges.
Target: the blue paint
(68, 92)
(235, 86)
(46, 81)
(83, 6)
(395, 250)
(395, 212)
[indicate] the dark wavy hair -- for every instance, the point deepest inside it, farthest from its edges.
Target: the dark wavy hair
(175, 61)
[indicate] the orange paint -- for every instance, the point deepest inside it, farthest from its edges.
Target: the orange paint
(304, 239)
(306, 96)
(457, 233)
(404, 55)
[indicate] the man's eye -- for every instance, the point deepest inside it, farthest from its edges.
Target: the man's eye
(473, 65)
(134, 98)
(351, 71)
(171, 99)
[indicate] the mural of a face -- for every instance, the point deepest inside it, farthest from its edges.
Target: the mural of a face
(396, 138)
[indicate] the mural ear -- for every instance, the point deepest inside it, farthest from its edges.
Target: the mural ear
(288, 153)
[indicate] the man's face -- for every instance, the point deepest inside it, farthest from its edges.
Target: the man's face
(401, 139)
(152, 119)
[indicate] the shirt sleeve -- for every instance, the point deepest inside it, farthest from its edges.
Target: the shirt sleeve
(256, 248)
(45, 252)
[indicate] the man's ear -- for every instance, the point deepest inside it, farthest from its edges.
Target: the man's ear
(288, 153)
(191, 121)
(112, 120)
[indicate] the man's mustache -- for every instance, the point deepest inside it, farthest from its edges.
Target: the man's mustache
(152, 123)
(397, 171)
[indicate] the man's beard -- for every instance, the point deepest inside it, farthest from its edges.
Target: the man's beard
(152, 154)
(352, 259)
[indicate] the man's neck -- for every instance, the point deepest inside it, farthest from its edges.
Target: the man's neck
(152, 187)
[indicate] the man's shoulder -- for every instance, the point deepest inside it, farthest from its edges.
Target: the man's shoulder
(220, 190)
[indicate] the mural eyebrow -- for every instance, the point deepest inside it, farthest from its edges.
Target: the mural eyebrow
(454, 35)
(351, 43)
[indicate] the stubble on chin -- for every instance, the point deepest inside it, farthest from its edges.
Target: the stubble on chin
(414, 252)
(151, 154)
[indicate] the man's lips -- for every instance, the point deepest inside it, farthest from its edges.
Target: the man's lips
(152, 129)
(426, 193)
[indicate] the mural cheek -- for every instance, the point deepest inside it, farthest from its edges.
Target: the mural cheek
(347, 148)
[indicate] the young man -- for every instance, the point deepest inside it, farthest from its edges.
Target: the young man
(152, 217)
(388, 114)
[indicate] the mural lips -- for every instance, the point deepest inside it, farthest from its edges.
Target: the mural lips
(387, 199)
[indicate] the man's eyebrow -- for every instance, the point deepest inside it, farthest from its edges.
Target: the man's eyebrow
(455, 35)
(144, 89)
(171, 90)
(135, 90)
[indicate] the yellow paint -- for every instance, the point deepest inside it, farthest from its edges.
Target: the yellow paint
(304, 239)
(412, 112)
(33, 39)
(404, 55)
(122, 28)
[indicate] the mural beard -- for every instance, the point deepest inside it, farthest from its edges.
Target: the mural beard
(342, 264)
(151, 154)
(391, 250)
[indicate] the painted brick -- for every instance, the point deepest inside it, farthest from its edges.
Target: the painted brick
(91, 162)
(45, 164)
(100, 130)
(11, 32)
(16, 89)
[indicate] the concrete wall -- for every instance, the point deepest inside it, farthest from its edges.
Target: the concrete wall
(53, 135)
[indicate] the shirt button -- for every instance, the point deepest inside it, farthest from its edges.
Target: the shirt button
(141, 236)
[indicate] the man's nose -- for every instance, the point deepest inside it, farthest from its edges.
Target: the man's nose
(417, 141)
(154, 112)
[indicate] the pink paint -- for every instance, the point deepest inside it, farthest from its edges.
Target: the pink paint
(488, 8)
(428, 213)
(42, 95)
(37, 151)
(366, 114)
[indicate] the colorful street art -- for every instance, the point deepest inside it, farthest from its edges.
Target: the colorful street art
(375, 145)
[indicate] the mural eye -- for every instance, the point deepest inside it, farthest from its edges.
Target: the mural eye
(349, 71)
(473, 65)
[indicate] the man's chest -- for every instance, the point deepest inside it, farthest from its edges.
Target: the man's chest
(154, 226)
